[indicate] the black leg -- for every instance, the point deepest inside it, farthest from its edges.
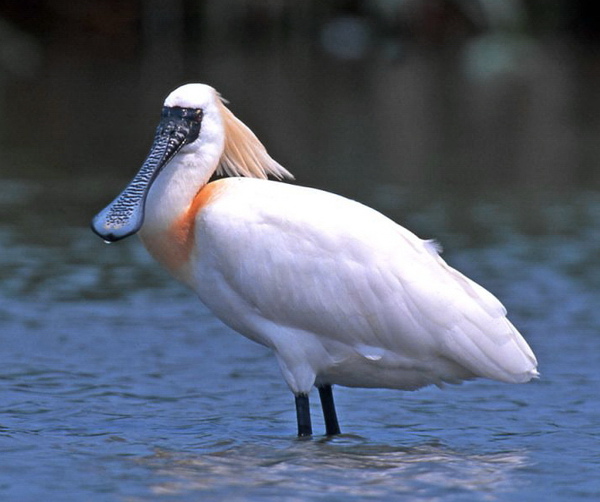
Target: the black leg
(331, 422)
(303, 415)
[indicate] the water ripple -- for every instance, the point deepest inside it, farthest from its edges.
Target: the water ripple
(117, 384)
(326, 470)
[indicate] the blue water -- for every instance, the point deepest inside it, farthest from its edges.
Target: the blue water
(117, 384)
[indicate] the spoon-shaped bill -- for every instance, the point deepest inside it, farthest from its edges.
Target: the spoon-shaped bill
(124, 216)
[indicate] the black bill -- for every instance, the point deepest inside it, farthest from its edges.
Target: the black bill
(124, 216)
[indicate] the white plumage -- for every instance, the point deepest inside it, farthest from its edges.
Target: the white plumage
(340, 293)
(343, 294)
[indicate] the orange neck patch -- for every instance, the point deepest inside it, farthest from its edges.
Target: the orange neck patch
(172, 247)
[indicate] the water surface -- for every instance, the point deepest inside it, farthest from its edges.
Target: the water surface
(117, 384)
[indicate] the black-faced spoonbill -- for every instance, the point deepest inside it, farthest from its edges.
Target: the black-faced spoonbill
(340, 293)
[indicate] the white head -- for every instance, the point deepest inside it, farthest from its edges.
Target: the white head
(192, 96)
(199, 133)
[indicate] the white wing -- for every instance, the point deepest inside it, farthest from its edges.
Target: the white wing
(304, 271)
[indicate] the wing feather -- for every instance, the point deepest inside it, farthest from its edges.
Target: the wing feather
(324, 265)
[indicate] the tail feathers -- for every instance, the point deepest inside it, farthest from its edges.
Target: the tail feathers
(507, 359)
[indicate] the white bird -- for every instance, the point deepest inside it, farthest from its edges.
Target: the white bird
(340, 293)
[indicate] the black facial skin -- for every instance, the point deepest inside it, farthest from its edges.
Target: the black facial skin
(124, 216)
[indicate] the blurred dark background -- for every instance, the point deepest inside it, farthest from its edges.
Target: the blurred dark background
(459, 94)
